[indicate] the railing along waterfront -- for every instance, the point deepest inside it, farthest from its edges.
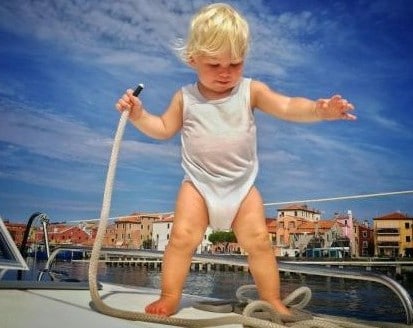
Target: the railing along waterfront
(293, 267)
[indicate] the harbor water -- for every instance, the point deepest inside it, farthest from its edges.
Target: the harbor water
(333, 296)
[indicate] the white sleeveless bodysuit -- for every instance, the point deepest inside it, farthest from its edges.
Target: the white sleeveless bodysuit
(219, 150)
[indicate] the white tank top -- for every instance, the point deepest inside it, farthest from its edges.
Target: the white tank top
(219, 152)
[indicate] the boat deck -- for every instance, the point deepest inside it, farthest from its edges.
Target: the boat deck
(65, 304)
(51, 305)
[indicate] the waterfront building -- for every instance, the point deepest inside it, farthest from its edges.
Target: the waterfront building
(127, 232)
(161, 231)
(109, 240)
(364, 239)
(145, 221)
(16, 231)
(298, 226)
(348, 237)
(133, 231)
(299, 211)
(393, 235)
(62, 234)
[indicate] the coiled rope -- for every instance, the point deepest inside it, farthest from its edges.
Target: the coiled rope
(98, 304)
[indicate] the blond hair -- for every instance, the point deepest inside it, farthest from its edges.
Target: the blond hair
(216, 28)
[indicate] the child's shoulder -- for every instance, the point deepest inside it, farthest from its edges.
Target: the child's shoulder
(257, 86)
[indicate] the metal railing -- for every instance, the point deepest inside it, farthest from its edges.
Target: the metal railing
(293, 267)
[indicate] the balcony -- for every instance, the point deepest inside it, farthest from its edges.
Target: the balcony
(384, 244)
(387, 231)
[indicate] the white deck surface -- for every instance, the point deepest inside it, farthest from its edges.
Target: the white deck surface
(44, 308)
(69, 308)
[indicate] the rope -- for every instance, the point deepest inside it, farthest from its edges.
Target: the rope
(98, 304)
(392, 193)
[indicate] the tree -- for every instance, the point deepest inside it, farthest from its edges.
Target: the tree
(224, 237)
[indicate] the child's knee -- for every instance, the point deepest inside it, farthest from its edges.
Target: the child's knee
(258, 242)
(184, 240)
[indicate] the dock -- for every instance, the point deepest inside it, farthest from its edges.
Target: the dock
(152, 263)
(156, 264)
(236, 263)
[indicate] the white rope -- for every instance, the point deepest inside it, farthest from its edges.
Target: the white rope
(342, 198)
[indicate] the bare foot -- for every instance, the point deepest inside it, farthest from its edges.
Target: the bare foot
(281, 308)
(164, 306)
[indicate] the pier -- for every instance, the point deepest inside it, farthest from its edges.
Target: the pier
(156, 264)
(234, 263)
(209, 264)
(398, 266)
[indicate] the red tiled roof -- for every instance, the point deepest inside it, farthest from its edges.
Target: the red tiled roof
(169, 218)
(294, 207)
(309, 226)
(127, 219)
(393, 216)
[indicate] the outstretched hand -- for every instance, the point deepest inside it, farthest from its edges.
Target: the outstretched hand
(129, 102)
(335, 108)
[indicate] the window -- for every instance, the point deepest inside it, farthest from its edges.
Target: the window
(365, 235)
(408, 239)
(407, 225)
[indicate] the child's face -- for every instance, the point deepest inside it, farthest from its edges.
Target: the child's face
(217, 74)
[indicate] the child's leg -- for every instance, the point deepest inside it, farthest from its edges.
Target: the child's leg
(190, 222)
(252, 234)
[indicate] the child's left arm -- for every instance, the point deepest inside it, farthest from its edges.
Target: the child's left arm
(299, 109)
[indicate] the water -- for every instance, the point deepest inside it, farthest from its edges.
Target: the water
(333, 296)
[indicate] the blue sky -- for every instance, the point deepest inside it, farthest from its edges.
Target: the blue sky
(63, 64)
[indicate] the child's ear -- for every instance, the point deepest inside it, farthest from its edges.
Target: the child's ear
(191, 61)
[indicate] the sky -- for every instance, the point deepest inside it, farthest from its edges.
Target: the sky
(64, 64)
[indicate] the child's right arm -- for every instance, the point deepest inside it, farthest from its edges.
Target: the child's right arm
(157, 127)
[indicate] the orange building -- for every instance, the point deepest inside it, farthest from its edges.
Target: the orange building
(16, 231)
(60, 234)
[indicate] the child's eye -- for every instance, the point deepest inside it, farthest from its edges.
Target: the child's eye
(235, 65)
(214, 65)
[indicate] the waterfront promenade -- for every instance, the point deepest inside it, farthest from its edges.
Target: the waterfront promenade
(207, 262)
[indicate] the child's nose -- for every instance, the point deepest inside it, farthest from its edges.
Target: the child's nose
(224, 71)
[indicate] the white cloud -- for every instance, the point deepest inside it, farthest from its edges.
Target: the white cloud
(132, 40)
(65, 139)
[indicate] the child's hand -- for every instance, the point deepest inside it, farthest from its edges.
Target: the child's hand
(129, 102)
(335, 108)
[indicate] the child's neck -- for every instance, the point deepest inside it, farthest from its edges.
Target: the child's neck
(210, 94)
